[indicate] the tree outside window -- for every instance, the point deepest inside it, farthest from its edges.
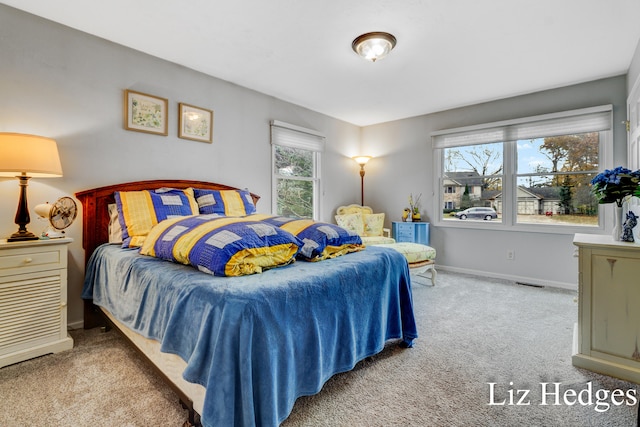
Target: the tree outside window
(475, 174)
(556, 172)
(296, 154)
(552, 178)
(295, 171)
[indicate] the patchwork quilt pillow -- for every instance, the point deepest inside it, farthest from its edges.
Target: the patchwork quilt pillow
(224, 202)
(139, 211)
(320, 240)
(222, 246)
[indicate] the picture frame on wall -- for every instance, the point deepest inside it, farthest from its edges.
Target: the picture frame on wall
(145, 113)
(195, 123)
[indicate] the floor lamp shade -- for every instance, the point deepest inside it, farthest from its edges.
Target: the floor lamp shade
(27, 156)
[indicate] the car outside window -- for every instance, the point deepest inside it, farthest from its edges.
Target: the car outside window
(533, 172)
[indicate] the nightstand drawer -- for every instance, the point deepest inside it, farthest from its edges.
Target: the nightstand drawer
(25, 260)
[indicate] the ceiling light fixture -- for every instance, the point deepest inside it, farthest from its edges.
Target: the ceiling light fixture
(374, 46)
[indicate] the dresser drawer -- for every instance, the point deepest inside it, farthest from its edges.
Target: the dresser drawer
(405, 233)
(26, 260)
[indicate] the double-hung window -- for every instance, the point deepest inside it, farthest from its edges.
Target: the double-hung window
(534, 172)
(296, 155)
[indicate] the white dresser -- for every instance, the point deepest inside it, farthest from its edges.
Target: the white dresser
(33, 299)
(608, 332)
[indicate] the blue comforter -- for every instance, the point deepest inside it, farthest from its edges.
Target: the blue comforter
(259, 342)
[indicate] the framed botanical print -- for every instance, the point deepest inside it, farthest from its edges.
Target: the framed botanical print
(195, 123)
(145, 113)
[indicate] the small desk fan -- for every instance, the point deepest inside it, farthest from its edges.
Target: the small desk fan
(60, 215)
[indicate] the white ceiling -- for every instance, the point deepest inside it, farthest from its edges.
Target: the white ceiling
(450, 53)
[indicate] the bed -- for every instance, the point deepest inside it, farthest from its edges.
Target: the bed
(241, 350)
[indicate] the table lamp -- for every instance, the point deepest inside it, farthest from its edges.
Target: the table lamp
(27, 156)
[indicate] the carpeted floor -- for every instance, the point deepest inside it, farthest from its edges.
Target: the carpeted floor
(473, 332)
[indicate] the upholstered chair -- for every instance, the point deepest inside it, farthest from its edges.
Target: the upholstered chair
(362, 221)
(370, 227)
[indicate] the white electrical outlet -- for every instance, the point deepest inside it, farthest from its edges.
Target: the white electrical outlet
(511, 254)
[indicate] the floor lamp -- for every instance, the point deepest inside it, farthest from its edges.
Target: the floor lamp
(24, 157)
(362, 160)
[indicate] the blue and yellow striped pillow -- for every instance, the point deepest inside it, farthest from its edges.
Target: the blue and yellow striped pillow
(139, 211)
(225, 202)
(320, 240)
(223, 246)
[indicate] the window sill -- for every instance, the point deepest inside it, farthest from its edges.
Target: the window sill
(522, 228)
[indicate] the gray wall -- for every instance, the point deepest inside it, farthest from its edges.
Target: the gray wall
(634, 69)
(68, 85)
(404, 162)
(64, 84)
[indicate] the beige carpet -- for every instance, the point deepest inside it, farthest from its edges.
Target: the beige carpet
(100, 382)
(472, 332)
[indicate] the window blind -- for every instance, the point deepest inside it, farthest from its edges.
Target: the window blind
(294, 136)
(593, 119)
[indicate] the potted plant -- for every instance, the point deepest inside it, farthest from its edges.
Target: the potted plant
(615, 186)
(414, 207)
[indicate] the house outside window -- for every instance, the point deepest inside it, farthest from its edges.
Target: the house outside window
(296, 156)
(535, 172)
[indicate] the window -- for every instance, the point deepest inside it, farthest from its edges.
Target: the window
(553, 177)
(534, 172)
(295, 163)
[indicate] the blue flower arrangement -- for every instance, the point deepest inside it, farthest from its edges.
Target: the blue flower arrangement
(616, 184)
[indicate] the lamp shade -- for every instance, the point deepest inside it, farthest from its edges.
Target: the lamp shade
(362, 160)
(374, 46)
(33, 155)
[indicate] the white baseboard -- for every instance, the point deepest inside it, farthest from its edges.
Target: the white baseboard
(519, 279)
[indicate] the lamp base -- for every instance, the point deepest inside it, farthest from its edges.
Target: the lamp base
(21, 236)
(22, 215)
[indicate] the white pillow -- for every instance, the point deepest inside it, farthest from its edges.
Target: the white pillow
(115, 229)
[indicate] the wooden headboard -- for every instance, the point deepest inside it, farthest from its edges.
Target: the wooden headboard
(95, 202)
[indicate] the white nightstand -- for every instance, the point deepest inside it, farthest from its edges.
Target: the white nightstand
(33, 299)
